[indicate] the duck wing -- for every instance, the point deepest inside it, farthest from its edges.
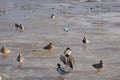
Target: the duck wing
(16, 25)
(70, 64)
(47, 47)
(62, 70)
(18, 58)
(63, 59)
(96, 66)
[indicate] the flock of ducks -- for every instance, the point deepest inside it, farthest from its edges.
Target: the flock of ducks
(5, 52)
(67, 58)
(69, 61)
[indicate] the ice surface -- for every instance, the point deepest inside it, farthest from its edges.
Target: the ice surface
(98, 21)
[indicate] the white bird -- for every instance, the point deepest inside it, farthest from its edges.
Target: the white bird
(65, 29)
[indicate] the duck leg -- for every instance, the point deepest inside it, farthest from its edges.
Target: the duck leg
(20, 65)
(62, 77)
(99, 70)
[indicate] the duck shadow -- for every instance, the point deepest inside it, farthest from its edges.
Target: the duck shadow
(4, 57)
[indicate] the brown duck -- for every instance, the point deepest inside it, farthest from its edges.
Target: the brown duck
(49, 47)
(5, 51)
(98, 66)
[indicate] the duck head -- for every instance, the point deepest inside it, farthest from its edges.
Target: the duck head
(58, 65)
(20, 54)
(101, 62)
(68, 48)
(3, 47)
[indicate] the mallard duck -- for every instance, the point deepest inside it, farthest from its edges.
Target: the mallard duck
(52, 16)
(85, 40)
(5, 51)
(67, 51)
(49, 46)
(21, 28)
(62, 71)
(68, 60)
(17, 26)
(20, 59)
(98, 66)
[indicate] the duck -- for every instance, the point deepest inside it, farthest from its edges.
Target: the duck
(67, 51)
(21, 28)
(52, 16)
(68, 60)
(5, 51)
(49, 47)
(62, 71)
(85, 40)
(20, 59)
(99, 66)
